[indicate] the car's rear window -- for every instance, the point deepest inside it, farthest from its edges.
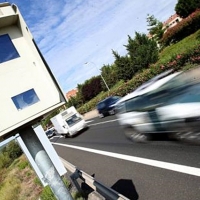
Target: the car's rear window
(101, 105)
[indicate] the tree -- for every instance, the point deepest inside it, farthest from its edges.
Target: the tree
(91, 88)
(72, 102)
(124, 69)
(156, 27)
(142, 51)
(185, 7)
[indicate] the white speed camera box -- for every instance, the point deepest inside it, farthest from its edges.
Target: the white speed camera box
(28, 90)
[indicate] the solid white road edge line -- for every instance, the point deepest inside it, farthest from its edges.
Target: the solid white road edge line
(165, 165)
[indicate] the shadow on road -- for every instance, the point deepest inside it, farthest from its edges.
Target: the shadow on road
(126, 188)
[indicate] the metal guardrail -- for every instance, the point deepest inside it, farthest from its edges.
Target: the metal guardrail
(106, 192)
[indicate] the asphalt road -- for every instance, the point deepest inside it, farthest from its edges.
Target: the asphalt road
(157, 170)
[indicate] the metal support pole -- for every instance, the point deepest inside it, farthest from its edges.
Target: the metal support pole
(45, 164)
(105, 83)
(100, 75)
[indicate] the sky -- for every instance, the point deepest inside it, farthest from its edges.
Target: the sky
(76, 37)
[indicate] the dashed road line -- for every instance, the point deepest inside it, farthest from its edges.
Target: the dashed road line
(103, 122)
(89, 121)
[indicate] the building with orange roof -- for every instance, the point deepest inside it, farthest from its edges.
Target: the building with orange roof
(172, 21)
(71, 93)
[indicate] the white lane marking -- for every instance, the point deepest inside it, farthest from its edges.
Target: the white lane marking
(56, 136)
(104, 122)
(89, 121)
(160, 164)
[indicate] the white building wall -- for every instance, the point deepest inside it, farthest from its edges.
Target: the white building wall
(24, 73)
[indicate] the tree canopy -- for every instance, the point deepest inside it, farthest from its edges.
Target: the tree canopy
(142, 51)
(185, 7)
(155, 27)
(124, 69)
(91, 88)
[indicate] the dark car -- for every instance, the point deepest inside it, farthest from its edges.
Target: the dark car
(50, 132)
(107, 106)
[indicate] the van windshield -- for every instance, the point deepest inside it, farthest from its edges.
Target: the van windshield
(73, 120)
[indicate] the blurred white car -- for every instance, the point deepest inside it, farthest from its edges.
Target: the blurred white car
(168, 105)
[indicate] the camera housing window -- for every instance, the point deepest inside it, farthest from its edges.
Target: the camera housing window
(7, 50)
(25, 99)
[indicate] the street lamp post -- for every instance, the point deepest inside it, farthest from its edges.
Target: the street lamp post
(100, 75)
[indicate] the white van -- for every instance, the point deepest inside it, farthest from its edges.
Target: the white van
(69, 122)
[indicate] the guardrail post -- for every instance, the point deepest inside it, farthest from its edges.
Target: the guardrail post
(74, 178)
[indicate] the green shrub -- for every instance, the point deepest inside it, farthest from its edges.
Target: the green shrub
(182, 47)
(37, 181)
(5, 160)
(67, 183)
(16, 161)
(13, 150)
(10, 189)
(28, 173)
(47, 194)
(183, 29)
(23, 164)
(9, 154)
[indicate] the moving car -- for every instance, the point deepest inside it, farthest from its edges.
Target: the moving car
(107, 106)
(50, 132)
(169, 105)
